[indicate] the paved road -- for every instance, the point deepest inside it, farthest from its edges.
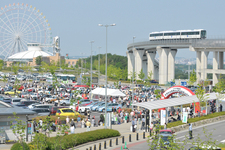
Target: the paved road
(216, 130)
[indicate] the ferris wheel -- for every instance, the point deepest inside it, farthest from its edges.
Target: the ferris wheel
(21, 24)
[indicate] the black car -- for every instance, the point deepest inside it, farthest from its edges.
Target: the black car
(27, 103)
(21, 105)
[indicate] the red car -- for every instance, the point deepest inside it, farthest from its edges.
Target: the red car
(31, 90)
(166, 131)
(21, 88)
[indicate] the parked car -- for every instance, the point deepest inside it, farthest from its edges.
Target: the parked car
(112, 106)
(84, 101)
(54, 109)
(1, 98)
(7, 100)
(66, 112)
(31, 106)
(94, 108)
(64, 102)
(11, 92)
(48, 99)
(41, 111)
(47, 106)
(15, 101)
(101, 108)
(27, 103)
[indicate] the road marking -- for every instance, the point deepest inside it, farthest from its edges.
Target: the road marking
(222, 141)
(180, 137)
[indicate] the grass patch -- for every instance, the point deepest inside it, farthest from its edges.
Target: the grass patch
(191, 120)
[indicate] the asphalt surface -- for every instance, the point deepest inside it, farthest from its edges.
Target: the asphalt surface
(213, 130)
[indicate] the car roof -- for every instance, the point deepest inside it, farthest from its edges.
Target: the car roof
(165, 130)
(64, 108)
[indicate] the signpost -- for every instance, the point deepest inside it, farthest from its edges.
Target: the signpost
(185, 115)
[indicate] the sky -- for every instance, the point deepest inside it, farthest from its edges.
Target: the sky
(76, 21)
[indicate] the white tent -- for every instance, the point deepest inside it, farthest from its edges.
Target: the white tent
(110, 92)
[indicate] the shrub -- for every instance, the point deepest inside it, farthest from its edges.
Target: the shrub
(72, 140)
(191, 120)
(18, 146)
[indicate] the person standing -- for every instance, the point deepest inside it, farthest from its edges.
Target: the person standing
(59, 123)
(165, 126)
(88, 124)
(40, 125)
(34, 125)
(72, 127)
(190, 131)
(221, 107)
(151, 128)
(143, 123)
(67, 121)
(133, 124)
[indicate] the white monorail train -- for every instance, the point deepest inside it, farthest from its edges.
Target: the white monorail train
(179, 34)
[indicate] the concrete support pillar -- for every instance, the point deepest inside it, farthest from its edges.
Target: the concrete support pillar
(171, 64)
(163, 64)
(220, 60)
(204, 63)
(138, 54)
(144, 67)
(198, 66)
(215, 67)
(130, 61)
(150, 63)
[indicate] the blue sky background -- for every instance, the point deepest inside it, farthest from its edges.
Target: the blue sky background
(76, 21)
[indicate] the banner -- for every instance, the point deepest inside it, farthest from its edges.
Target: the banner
(30, 127)
(163, 117)
(185, 115)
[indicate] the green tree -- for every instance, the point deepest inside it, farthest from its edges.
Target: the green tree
(202, 97)
(38, 60)
(18, 127)
(141, 75)
(157, 94)
(219, 89)
(52, 68)
(149, 77)
(1, 64)
(133, 74)
(4, 79)
(15, 68)
(193, 78)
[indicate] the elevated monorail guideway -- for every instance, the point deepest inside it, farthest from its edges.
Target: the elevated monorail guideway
(141, 55)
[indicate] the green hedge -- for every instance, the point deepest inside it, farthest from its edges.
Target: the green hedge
(18, 146)
(72, 140)
(191, 120)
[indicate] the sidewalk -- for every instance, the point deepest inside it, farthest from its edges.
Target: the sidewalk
(124, 130)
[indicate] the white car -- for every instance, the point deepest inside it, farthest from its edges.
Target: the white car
(82, 108)
(48, 99)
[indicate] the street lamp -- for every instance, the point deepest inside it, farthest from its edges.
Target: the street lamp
(99, 64)
(106, 26)
(91, 63)
(133, 78)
